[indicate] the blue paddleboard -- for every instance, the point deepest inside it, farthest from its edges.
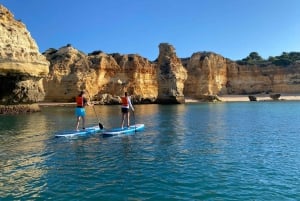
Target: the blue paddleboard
(82, 132)
(123, 131)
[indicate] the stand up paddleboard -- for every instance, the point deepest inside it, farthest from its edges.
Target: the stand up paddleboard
(123, 131)
(82, 132)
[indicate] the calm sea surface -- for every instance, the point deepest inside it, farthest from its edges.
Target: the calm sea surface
(223, 151)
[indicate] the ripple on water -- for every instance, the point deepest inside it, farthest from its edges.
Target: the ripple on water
(189, 152)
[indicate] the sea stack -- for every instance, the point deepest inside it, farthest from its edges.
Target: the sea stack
(171, 76)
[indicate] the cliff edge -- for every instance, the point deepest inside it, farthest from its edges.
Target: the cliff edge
(21, 65)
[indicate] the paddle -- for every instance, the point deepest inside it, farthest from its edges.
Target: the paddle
(134, 121)
(100, 125)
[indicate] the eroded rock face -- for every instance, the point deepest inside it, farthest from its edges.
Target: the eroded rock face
(248, 79)
(285, 79)
(171, 76)
(269, 79)
(168, 80)
(210, 74)
(68, 73)
(105, 77)
(21, 65)
(137, 76)
(207, 75)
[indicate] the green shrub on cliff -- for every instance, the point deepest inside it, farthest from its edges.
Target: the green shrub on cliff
(285, 59)
(253, 59)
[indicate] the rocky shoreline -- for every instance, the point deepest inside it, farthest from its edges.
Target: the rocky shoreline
(36, 107)
(19, 109)
(223, 98)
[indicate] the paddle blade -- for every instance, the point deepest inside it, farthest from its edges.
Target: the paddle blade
(100, 126)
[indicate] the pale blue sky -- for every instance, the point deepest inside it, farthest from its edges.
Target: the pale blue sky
(232, 28)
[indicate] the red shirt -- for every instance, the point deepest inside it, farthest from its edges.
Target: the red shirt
(80, 101)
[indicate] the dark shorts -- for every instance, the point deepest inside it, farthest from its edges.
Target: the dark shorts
(124, 110)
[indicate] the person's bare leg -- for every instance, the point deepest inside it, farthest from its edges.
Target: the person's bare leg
(128, 121)
(77, 123)
(123, 119)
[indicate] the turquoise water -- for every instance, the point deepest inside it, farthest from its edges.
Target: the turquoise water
(224, 151)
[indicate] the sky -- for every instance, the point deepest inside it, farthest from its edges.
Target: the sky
(231, 28)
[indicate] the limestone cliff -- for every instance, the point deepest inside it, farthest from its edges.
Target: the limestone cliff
(284, 79)
(105, 77)
(21, 64)
(171, 76)
(137, 75)
(270, 79)
(67, 74)
(169, 79)
(249, 79)
(207, 75)
(210, 74)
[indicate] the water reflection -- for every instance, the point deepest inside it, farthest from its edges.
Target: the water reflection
(110, 116)
(186, 150)
(22, 149)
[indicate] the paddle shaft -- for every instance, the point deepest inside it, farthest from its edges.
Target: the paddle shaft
(134, 121)
(100, 125)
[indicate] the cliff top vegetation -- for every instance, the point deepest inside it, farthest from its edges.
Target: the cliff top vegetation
(284, 60)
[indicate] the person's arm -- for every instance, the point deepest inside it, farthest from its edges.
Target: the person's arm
(85, 102)
(129, 102)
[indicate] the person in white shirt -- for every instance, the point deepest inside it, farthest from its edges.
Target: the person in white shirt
(126, 103)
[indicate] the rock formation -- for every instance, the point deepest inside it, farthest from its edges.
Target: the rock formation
(210, 74)
(204, 75)
(270, 79)
(137, 75)
(19, 109)
(207, 75)
(21, 65)
(171, 76)
(105, 77)
(68, 73)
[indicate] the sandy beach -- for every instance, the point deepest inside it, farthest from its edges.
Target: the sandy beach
(260, 97)
(244, 98)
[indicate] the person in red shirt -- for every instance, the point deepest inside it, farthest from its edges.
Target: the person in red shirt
(126, 103)
(80, 110)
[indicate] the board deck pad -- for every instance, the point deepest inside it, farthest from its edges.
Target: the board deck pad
(123, 131)
(82, 132)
